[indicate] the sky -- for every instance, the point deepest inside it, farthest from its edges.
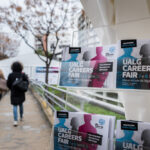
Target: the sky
(23, 48)
(4, 2)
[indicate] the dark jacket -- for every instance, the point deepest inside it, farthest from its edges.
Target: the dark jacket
(17, 96)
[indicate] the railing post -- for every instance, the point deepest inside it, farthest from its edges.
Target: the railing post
(118, 98)
(66, 99)
(82, 102)
(82, 105)
(52, 103)
(105, 95)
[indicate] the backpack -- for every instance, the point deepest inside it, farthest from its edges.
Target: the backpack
(20, 84)
(3, 86)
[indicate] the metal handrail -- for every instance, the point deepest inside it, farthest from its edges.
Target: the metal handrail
(53, 96)
(102, 96)
(81, 98)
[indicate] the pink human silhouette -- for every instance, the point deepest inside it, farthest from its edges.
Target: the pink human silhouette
(98, 78)
(87, 128)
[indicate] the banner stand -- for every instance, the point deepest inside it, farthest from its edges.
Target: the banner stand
(136, 103)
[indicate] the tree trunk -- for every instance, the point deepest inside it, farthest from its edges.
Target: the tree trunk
(47, 72)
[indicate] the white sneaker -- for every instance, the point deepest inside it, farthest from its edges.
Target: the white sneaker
(15, 123)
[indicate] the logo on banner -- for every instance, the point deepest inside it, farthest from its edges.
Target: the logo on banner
(100, 124)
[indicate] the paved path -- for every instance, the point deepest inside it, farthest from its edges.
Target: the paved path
(31, 134)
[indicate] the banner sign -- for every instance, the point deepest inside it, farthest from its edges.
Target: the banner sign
(125, 65)
(77, 130)
(132, 135)
(133, 65)
(88, 67)
(53, 74)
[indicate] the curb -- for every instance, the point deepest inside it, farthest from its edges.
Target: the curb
(46, 109)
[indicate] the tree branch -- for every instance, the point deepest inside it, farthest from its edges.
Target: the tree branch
(51, 16)
(57, 41)
(65, 16)
(25, 40)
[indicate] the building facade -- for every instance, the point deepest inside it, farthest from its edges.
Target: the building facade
(87, 36)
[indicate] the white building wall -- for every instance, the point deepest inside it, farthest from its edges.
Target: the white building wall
(119, 19)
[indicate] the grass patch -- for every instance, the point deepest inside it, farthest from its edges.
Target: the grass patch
(98, 110)
(57, 108)
(89, 108)
(58, 93)
(95, 110)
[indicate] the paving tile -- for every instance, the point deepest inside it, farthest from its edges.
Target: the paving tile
(31, 134)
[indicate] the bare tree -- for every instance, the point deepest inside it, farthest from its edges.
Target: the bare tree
(44, 19)
(8, 45)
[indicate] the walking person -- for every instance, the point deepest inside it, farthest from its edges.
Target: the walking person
(2, 82)
(17, 96)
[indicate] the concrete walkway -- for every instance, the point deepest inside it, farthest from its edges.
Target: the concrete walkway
(31, 134)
